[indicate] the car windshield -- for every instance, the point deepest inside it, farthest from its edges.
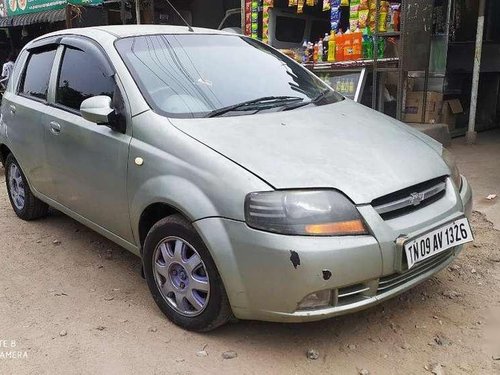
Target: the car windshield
(197, 75)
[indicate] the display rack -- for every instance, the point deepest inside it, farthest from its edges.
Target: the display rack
(371, 75)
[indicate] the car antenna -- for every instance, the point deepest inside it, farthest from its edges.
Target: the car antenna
(182, 18)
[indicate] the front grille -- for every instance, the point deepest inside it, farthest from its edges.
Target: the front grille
(351, 294)
(387, 283)
(410, 199)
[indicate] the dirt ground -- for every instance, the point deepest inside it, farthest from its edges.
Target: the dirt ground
(72, 302)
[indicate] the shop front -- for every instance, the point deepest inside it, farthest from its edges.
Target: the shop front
(410, 59)
(354, 45)
(21, 20)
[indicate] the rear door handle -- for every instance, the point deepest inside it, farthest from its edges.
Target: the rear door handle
(55, 128)
(12, 108)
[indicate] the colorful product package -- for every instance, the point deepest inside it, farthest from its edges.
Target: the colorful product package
(364, 13)
(335, 15)
(354, 15)
(326, 5)
(383, 14)
(248, 17)
(395, 9)
(255, 19)
(300, 6)
(265, 20)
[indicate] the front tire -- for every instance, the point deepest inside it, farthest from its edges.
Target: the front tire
(25, 204)
(182, 276)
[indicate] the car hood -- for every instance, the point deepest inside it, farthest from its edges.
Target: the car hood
(345, 146)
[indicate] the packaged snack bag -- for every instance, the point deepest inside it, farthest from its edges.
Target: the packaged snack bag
(255, 19)
(326, 5)
(300, 6)
(354, 15)
(363, 18)
(265, 20)
(335, 15)
(384, 12)
(396, 16)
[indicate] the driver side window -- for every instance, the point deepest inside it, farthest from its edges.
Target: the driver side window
(81, 77)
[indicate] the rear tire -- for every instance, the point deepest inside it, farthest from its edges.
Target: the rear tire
(25, 204)
(182, 276)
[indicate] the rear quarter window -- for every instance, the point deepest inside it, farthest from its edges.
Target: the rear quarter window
(35, 81)
(13, 81)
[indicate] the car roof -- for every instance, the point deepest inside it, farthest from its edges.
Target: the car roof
(123, 31)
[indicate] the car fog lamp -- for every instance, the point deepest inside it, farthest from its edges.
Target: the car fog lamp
(316, 300)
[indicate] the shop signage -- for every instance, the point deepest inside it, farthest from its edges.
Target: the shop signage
(17, 7)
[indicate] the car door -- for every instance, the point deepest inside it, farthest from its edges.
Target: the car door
(23, 110)
(88, 162)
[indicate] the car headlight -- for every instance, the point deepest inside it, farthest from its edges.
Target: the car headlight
(450, 161)
(303, 212)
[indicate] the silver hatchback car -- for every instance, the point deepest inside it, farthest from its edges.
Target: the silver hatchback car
(247, 186)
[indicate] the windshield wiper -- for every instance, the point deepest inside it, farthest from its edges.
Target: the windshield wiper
(266, 102)
(315, 100)
(321, 96)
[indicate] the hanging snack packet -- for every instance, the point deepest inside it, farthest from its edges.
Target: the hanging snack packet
(384, 12)
(354, 15)
(300, 6)
(265, 20)
(364, 13)
(292, 3)
(255, 19)
(248, 17)
(335, 15)
(396, 16)
(326, 5)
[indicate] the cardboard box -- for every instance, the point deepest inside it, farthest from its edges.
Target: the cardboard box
(414, 107)
(451, 108)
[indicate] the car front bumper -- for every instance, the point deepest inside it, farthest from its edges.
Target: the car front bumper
(267, 275)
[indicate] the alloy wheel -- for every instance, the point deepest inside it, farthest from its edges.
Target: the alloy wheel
(181, 276)
(16, 185)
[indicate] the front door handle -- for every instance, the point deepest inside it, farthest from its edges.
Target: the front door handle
(12, 108)
(55, 128)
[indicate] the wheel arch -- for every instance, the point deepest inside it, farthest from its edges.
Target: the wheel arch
(4, 152)
(163, 196)
(152, 214)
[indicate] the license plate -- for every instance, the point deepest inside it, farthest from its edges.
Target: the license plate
(437, 241)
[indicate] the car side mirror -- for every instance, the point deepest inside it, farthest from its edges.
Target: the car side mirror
(98, 109)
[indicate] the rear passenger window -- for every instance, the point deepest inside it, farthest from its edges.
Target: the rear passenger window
(80, 78)
(35, 82)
